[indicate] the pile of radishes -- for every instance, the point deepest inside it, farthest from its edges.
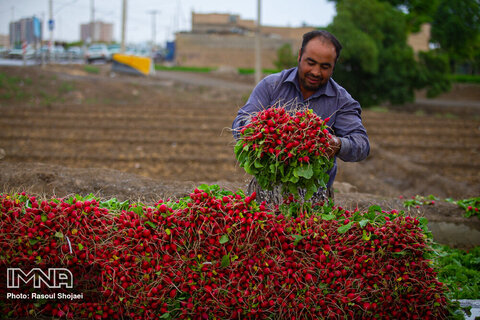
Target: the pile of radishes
(220, 255)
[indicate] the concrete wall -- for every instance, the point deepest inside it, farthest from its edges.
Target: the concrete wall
(234, 50)
(219, 39)
(420, 41)
(219, 22)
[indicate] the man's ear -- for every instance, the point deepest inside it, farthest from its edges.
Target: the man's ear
(299, 55)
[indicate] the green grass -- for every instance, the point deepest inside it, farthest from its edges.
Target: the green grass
(188, 69)
(447, 115)
(66, 87)
(379, 109)
(7, 81)
(14, 87)
(420, 112)
(243, 71)
(23, 89)
(91, 69)
(465, 78)
(252, 71)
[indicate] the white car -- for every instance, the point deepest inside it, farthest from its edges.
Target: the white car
(74, 53)
(18, 53)
(97, 52)
(112, 49)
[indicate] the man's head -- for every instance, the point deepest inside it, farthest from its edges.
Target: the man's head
(316, 60)
(323, 34)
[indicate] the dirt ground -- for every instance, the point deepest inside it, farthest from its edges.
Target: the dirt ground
(66, 131)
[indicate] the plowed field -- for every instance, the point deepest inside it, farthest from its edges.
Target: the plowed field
(174, 132)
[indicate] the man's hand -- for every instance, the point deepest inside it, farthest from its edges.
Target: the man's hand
(334, 146)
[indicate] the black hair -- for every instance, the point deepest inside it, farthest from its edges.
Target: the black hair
(321, 34)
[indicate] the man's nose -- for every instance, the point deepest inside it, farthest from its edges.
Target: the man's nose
(316, 71)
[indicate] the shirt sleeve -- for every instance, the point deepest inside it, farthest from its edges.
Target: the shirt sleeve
(258, 100)
(349, 128)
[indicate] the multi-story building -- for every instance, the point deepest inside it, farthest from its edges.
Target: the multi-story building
(4, 41)
(27, 30)
(96, 31)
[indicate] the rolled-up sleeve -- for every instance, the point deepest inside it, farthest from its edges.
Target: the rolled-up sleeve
(258, 100)
(349, 128)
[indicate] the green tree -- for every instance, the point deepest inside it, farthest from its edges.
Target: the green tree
(456, 28)
(417, 11)
(285, 57)
(376, 64)
(434, 71)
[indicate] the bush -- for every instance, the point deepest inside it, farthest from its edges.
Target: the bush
(465, 78)
(285, 57)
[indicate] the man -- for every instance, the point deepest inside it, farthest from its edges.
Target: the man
(310, 85)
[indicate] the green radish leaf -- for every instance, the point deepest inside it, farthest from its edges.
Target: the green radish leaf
(363, 222)
(328, 217)
(151, 224)
(223, 239)
(273, 168)
(297, 239)
(293, 179)
(238, 147)
(225, 261)
(303, 171)
(345, 228)
(423, 220)
(374, 209)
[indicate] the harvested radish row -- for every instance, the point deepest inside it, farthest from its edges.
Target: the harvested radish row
(219, 255)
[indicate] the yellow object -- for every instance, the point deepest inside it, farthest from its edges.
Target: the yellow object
(128, 63)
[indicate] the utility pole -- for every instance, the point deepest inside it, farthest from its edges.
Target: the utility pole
(258, 46)
(91, 30)
(50, 27)
(13, 28)
(42, 52)
(154, 28)
(124, 22)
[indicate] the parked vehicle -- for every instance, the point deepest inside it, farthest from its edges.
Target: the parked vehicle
(112, 49)
(58, 52)
(74, 53)
(4, 52)
(97, 52)
(18, 53)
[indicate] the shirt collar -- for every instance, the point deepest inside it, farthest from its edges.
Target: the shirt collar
(326, 90)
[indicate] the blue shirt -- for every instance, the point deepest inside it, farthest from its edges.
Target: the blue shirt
(330, 100)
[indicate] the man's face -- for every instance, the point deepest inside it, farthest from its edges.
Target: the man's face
(315, 65)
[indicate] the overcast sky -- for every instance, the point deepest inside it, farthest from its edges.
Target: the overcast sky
(171, 16)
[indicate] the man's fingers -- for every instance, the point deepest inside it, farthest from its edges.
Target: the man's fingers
(334, 146)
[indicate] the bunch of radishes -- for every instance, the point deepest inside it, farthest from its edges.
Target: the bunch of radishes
(287, 148)
(220, 255)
